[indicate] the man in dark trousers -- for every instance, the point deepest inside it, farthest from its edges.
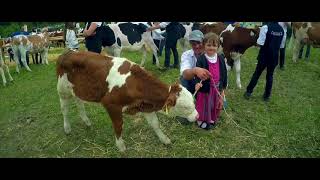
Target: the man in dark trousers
(173, 33)
(285, 26)
(307, 51)
(11, 55)
(271, 39)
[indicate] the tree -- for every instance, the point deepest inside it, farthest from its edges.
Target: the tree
(7, 28)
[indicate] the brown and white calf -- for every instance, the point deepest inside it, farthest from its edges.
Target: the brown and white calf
(235, 41)
(121, 86)
(304, 32)
(38, 43)
(3, 66)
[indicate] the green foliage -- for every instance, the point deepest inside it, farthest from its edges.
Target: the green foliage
(7, 28)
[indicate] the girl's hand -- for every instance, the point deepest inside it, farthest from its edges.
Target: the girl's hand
(198, 86)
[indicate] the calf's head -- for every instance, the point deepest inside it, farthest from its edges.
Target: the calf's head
(180, 103)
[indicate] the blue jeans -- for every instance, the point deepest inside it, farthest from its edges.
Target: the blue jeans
(307, 51)
(160, 45)
(188, 84)
(27, 58)
(263, 64)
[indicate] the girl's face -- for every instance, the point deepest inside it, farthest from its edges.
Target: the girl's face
(211, 48)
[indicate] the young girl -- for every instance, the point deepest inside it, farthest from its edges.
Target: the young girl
(209, 97)
(71, 38)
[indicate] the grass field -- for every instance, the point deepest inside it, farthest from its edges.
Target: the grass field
(31, 123)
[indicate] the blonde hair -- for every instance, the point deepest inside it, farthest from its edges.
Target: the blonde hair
(211, 38)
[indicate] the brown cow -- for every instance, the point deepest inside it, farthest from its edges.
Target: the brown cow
(38, 43)
(215, 27)
(235, 41)
(121, 86)
(3, 65)
(304, 32)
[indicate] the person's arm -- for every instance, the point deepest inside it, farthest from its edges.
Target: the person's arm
(158, 26)
(188, 72)
(154, 27)
(186, 67)
(91, 31)
(262, 35)
(201, 73)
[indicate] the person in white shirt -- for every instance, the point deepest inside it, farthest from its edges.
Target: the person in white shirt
(285, 26)
(188, 69)
(72, 42)
(271, 39)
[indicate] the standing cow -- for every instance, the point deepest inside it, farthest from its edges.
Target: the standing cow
(3, 66)
(38, 43)
(304, 32)
(133, 37)
(121, 86)
(235, 41)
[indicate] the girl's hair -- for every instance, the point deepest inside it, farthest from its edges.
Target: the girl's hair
(211, 38)
(68, 25)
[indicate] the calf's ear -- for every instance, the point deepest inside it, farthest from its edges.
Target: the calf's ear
(175, 88)
(177, 81)
(173, 95)
(170, 102)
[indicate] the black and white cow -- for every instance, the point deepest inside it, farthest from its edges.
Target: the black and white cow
(133, 37)
(184, 35)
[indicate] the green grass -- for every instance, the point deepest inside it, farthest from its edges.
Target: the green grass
(31, 123)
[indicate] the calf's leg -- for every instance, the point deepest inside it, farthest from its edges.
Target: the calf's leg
(154, 123)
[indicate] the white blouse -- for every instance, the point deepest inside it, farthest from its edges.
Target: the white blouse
(212, 59)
